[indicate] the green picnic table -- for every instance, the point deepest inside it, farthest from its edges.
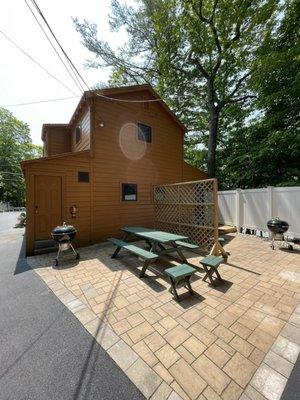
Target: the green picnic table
(159, 242)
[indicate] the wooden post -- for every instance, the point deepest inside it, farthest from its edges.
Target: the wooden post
(217, 249)
(216, 211)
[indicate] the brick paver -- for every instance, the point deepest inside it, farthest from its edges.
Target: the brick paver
(207, 346)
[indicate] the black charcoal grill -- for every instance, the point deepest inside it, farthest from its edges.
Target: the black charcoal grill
(64, 235)
(278, 227)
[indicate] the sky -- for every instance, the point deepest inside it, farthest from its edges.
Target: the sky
(22, 81)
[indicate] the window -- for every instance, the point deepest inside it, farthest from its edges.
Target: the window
(129, 192)
(83, 176)
(145, 133)
(78, 133)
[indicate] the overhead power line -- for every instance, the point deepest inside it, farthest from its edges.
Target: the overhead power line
(39, 101)
(74, 67)
(58, 42)
(36, 62)
(70, 73)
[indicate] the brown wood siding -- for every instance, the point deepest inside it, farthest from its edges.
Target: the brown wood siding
(58, 141)
(73, 193)
(85, 122)
(191, 173)
(119, 157)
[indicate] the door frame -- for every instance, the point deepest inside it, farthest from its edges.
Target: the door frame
(37, 190)
(30, 211)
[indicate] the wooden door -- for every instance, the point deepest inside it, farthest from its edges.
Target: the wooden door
(47, 206)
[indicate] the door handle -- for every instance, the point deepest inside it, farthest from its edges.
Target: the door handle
(36, 209)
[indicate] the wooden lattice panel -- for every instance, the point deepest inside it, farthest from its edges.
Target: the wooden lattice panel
(166, 194)
(198, 216)
(167, 213)
(197, 192)
(189, 209)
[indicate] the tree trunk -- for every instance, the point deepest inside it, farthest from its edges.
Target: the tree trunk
(212, 140)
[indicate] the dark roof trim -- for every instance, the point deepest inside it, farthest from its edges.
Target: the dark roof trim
(61, 155)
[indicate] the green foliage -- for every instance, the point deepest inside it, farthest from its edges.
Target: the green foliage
(267, 151)
(230, 71)
(197, 53)
(15, 146)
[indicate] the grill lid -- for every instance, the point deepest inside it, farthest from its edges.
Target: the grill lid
(63, 229)
(277, 225)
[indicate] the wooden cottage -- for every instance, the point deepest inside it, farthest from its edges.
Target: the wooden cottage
(97, 172)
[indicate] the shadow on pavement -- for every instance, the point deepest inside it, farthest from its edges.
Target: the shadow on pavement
(22, 265)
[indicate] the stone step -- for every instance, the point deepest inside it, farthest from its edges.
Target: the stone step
(40, 244)
(45, 246)
(45, 250)
(223, 229)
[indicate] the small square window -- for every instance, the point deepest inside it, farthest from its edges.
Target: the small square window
(78, 133)
(83, 176)
(145, 133)
(129, 192)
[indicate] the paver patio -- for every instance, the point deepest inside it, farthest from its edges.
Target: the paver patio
(208, 346)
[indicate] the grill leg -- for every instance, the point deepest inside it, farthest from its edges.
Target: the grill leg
(73, 249)
(57, 255)
(75, 252)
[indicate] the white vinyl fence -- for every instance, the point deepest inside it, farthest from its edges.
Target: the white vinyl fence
(252, 208)
(7, 207)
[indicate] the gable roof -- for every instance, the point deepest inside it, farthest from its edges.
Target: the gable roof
(111, 94)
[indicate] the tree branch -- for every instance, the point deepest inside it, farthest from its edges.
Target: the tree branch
(210, 22)
(213, 27)
(199, 65)
(243, 98)
(237, 34)
(238, 84)
(200, 14)
(214, 9)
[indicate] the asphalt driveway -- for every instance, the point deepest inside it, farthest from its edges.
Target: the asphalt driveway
(45, 353)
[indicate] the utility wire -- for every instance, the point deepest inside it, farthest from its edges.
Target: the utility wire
(36, 62)
(76, 70)
(74, 78)
(39, 101)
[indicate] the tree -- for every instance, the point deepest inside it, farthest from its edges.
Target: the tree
(197, 53)
(15, 146)
(267, 150)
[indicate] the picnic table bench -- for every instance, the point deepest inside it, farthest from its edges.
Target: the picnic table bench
(187, 245)
(159, 242)
(147, 256)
